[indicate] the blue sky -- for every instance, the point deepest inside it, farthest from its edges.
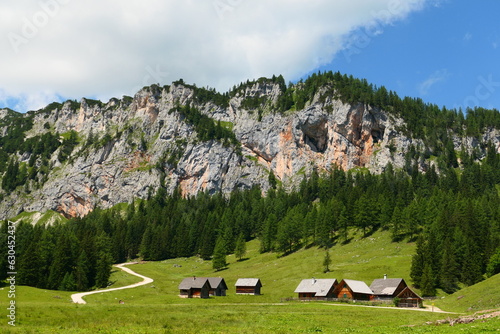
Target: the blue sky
(447, 54)
(444, 51)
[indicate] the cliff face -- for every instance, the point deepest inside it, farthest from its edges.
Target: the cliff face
(128, 149)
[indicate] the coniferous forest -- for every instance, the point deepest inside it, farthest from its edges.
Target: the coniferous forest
(453, 216)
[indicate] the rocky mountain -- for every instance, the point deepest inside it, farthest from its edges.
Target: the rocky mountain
(195, 139)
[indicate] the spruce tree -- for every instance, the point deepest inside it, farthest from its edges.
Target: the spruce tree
(241, 247)
(219, 256)
(326, 262)
(428, 285)
(81, 272)
(28, 273)
(103, 261)
(417, 263)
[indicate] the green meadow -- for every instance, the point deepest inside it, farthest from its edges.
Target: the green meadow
(156, 308)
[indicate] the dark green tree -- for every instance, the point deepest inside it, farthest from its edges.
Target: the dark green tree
(82, 272)
(241, 247)
(104, 260)
(327, 261)
(219, 257)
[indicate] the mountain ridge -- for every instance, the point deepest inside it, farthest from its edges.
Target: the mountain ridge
(195, 139)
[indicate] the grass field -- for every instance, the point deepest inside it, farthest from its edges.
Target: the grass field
(482, 296)
(156, 308)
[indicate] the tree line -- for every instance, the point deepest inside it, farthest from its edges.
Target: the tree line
(70, 256)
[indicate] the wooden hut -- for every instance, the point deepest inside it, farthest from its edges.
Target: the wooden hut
(248, 286)
(355, 290)
(218, 286)
(312, 288)
(387, 288)
(194, 287)
(408, 298)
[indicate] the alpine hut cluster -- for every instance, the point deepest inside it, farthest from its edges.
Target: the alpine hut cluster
(380, 289)
(309, 289)
(202, 287)
(205, 287)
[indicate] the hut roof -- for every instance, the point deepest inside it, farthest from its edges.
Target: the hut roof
(249, 282)
(408, 293)
(358, 286)
(192, 283)
(215, 282)
(386, 286)
(320, 287)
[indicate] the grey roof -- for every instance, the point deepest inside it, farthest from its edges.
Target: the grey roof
(358, 286)
(216, 281)
(250, 282)
(408, 289)
(192, 283)
(320, 287)
(385, 286)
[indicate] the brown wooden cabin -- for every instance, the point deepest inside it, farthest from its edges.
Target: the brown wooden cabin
(408, 298)
(314, 289)
(218, 286)
(355, 290)
(194, 287)
(248, 286)
(387, 288)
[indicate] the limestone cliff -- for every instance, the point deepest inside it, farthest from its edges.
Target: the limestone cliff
(129, 148)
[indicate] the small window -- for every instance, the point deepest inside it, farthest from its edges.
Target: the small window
(345, 295)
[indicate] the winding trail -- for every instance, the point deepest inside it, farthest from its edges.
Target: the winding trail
(78, 297)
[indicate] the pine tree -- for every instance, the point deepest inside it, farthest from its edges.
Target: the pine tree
(62, 262)
(145, 247)
(241, 248)
(448, 278)
(343, 224)
(103, 261)
(268, 236)
(46, 254)
(417, 263)
(81, 272)
(326, 262)
(428, 285)
(397, 224)
(29, 266)
(493, 267)
(219, 256)
(68, 283)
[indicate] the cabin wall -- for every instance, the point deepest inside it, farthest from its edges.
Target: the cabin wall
(344, 293)
(306, 296)
(245, 290)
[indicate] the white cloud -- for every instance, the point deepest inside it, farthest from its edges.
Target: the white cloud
(102, 49)
(434, 78)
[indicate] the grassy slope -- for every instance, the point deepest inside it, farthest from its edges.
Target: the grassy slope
(156, 308)
(364, 259)
(481, 296)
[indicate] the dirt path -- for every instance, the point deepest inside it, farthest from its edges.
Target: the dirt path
(426, 309)
(78, 297)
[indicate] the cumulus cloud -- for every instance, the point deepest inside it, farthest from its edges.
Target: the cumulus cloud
(102, 49)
